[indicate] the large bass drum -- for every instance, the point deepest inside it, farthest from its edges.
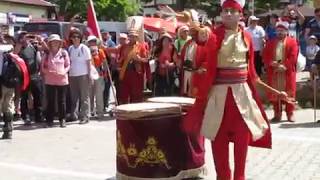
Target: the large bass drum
(150, 143)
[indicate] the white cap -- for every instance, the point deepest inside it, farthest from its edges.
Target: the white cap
(283, 24)
(240, 2)
(123, 35)
(54, 37)
(313, 37)
(253, 18)
(91, 38)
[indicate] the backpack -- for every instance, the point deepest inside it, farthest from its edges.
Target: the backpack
(72, 47)
(11, 75)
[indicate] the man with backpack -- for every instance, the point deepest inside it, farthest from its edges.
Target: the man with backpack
(29, 52)
(14, 73)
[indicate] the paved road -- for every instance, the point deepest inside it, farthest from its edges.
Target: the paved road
(87, 152)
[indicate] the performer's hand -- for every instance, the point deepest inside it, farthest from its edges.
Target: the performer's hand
(283, 95)
(274, 64)
(201, 70)
(281, 68)
(136, 58)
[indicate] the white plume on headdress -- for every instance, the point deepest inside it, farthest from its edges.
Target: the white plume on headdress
(241, 2)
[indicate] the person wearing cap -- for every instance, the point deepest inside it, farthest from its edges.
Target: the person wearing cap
(114, 52)
(258, 37)
(164, 54)
(280, 57)
(55, 66)
(182, 38)
(192, 63)
(227, 107)
(312, 27)
(106, 38)
(311, 53)
(98, 86)
(132, 60)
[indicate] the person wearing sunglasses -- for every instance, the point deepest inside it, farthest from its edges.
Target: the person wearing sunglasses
(79, 77)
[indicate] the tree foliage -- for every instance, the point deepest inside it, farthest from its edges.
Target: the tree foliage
(117, 10)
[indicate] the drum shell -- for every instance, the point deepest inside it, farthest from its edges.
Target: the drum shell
(170, 139)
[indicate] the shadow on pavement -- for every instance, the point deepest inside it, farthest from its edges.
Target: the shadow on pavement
(300, 125)
(33, 126)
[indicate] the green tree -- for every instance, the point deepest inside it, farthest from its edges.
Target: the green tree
(117, 10)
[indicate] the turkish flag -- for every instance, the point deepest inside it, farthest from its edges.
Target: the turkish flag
(92, 20)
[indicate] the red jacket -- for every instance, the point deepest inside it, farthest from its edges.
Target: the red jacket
(290, 62)
(193, 120)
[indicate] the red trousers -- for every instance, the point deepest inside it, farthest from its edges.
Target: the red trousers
(196, 156)
(232, 129)
(131, 87)
(277, 108)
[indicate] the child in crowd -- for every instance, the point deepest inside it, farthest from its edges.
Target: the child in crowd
(311, 53)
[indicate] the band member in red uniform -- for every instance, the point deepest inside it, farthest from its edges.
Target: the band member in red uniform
(227, 107)
(133, 59)
(280, 58)
(193, 63)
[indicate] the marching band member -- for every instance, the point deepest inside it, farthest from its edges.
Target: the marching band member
(280, 58)
(227, 107)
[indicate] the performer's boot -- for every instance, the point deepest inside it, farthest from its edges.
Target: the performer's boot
(7, 127)
(289, 111)
(277, 112)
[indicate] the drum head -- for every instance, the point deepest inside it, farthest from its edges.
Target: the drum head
(140, 110)
(182, 101)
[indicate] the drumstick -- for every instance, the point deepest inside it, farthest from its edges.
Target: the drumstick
(275, 91)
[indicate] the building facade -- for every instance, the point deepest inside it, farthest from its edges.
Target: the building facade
(15, 13)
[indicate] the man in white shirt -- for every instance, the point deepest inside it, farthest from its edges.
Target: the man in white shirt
(258, 38)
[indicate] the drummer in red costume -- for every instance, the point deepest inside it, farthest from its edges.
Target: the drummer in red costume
(133, 60)
(227, 107)
(280, 57)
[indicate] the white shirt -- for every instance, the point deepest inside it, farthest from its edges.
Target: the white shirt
(257, 35)
(79, 58)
